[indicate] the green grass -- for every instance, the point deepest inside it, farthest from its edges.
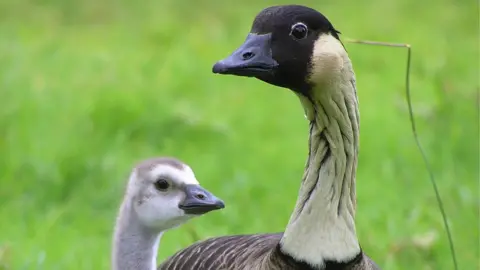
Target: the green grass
(89, 89)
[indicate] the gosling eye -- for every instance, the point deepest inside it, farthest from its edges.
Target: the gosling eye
(299, 31)
(162, 184)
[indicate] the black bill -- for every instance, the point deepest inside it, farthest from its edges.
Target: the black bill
(252, 59)
(199, 201)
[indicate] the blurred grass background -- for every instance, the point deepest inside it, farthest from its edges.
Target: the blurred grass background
(88, 88)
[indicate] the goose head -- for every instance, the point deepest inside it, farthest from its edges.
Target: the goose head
(165, 193)
(290, 46)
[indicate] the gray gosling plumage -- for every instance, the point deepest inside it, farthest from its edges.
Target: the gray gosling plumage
(162, 193)
(296, 47)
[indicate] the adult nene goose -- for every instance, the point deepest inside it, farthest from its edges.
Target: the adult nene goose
(296, 47)
(162, 193)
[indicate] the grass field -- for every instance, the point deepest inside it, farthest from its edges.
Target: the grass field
(88, 88)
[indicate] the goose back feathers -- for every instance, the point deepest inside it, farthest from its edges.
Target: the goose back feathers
(250, 252)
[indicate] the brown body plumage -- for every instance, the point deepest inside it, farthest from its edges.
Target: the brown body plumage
(248, 252)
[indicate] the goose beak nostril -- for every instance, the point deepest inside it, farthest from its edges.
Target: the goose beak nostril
(199, 201)
(252, 58)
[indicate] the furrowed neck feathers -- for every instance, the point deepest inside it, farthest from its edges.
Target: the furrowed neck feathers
(322, 226)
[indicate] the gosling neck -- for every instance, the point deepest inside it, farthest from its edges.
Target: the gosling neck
(135, 246)
(322, 226)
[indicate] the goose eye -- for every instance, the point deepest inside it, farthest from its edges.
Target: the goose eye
(162, 184)
(299, 31)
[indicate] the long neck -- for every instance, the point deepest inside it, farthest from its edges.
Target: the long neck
(134, 245)
(322, 226)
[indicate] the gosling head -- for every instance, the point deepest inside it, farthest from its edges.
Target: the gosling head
(290, 46)
(164, 194)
